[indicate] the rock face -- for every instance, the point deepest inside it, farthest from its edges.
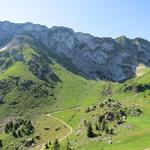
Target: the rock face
(94, 57)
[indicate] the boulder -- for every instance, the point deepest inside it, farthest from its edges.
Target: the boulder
(110, 142)
(30, 143)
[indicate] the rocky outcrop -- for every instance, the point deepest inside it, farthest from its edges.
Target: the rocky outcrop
(94, 57)
(30, 143)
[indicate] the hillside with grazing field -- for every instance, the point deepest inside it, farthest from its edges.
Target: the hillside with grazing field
(128, 136)
(77, 93)
(71, 91)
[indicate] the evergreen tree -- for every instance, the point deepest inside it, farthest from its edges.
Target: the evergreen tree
(23, 130)
(30, 126)
(96, 126)
(19, 133)
(1, 143)
(100, 119)
(14, 133)
(103, 125)
(16, 125)
(111, 131)
(56, 145)
(46, 146)
(6, 128)
(11, 125)
(106, 129)
(117, 116)
(90, 130)
(50, 143)
(68, 146)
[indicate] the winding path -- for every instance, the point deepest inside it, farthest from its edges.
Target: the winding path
(50, 115)
(64, 124)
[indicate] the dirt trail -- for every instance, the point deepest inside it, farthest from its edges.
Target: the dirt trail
(70, 128)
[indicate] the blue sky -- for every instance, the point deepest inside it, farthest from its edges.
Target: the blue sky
(98, 17)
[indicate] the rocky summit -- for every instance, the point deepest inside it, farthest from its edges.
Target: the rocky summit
(92, 57)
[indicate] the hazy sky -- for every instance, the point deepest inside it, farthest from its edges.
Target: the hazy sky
(98, 17)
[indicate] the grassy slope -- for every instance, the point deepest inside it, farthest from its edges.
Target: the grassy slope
(73, 91)
(24, 100)
(137, 139)
(27, 104)
(76, 91)
(56, 129)
(145, 78)
(19, 69)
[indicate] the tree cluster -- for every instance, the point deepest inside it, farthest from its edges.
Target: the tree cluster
(19, 128)
(56, 145)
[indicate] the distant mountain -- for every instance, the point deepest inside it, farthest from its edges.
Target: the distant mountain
(92, 57)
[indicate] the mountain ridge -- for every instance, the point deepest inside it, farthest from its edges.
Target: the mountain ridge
(58, 70)
(94, 57)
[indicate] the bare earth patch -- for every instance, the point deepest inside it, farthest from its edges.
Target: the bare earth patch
(140, 70)
(2, 49)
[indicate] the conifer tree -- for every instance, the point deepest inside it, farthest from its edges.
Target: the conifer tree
(6, 128)
(46, 146)
(96, 127)
(11, 125)
(1, 143)
(68, 146)
(103, 125)
(19, 133)
(14, 133)
(56, 145)
(90, 130)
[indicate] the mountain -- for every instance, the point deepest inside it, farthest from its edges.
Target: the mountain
(92, 57)
(45, 68)
(66, 82)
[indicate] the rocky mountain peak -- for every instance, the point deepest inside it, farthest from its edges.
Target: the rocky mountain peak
(93, 57)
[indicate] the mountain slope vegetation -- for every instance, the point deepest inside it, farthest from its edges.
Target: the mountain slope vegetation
(56, 82)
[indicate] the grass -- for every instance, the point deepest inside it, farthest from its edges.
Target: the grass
(75, 91)
(25, 102)
(49, 129)
(19, 69)
(136, 139)
(28, 53)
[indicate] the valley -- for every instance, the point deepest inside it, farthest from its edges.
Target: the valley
(58, 92)
(74, 117)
